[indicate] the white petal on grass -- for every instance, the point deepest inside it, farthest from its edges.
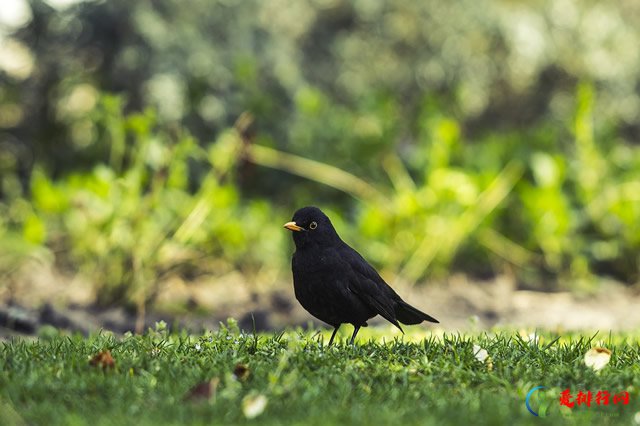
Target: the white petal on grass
(597, 358)
(636, 418)
(480, 353)
(254, 405)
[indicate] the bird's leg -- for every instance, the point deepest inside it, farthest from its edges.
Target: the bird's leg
(335, 330)
(356, 328)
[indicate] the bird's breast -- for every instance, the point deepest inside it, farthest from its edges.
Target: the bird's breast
(320, 281)
(306, 263)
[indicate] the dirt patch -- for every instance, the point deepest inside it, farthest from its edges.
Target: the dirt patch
(49, 298)
(463, 304)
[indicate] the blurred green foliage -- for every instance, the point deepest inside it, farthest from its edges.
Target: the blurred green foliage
(478, 136)
(129, 222)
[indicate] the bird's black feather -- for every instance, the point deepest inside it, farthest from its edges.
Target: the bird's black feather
(336, 284)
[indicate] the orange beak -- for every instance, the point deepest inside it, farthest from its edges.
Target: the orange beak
(291, 226)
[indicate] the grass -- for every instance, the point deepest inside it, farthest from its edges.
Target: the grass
(429, 380)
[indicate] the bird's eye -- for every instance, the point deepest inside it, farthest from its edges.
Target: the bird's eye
(313, 225)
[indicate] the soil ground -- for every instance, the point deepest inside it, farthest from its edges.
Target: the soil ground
(43, 297)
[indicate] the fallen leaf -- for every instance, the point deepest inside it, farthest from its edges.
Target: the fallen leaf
(254, 405)
(103, 359)
(241, 372)
(203, 390)
(597, 358)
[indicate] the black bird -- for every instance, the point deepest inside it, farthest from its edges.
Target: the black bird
(335, 284)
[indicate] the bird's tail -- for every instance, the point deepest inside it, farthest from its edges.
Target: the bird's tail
(409, 315)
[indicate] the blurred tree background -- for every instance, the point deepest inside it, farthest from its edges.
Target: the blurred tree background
(148, 139)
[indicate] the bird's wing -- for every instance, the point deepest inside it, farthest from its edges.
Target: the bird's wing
(366, 283)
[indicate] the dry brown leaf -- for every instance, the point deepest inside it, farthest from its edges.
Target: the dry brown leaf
(241, 372)
(103, 359)
(203, 390)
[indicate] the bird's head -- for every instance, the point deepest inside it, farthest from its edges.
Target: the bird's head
(312, 227)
